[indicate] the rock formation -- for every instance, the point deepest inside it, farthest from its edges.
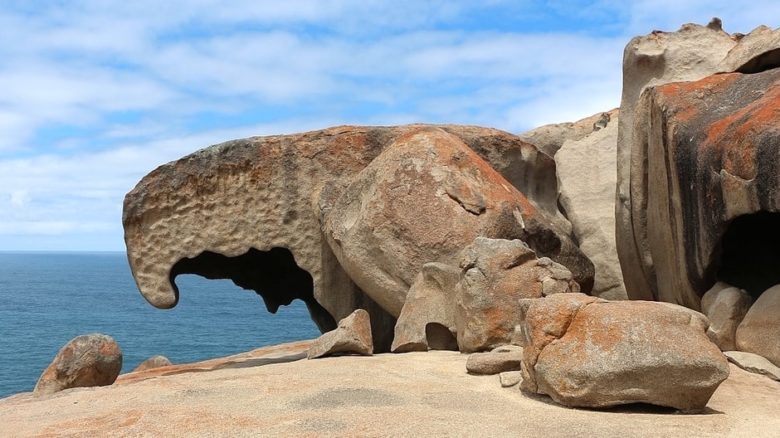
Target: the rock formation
(587, 352)
(685, 171)
(754, 364)
(495, 274)
(248, 210)
(351, 336)
(87, 360)
(587, 176)
(550, 138)
(759, 331)
(725, 306)
(423, 199)
(153, 362)
(500, 360)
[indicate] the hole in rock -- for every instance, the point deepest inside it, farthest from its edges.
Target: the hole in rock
(272, 274)
(763, 62)
(440, 337)
(750, 253)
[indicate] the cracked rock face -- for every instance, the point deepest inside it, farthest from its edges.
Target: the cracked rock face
(422, 200)
(248, 210)
(587, 352)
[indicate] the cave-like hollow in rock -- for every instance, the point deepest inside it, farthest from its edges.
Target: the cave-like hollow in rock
(750, 253)
(272, 274)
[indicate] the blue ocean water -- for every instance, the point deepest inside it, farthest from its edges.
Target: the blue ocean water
(46, 299)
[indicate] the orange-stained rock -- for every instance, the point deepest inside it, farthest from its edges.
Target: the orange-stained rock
(588, 352)
(87, 360)
(352, 336)
(424, 199)
(495, 275)
(247, 210)
(712, 151)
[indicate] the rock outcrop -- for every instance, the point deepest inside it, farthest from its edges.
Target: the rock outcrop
(423, 199)
(501, 359)
(759, 331)
(87, 360)
(687, 165)
(725, 306)
(248, 210)
(550, 138)
(495, 274)
(754, 363)
(427, 320)
(587, 352)
(352, 336)
(152, 363)
(587, 176)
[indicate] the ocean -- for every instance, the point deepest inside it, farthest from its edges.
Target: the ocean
(46, 299)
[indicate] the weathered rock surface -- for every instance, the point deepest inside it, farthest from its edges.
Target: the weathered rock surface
(495, 274)
(247, 210)
(711, 154)
(352, 336)
(153, 362)
(753, 363)
(586, 180)
(586, 352)
(280, 396)
(422, 200)
(759, 331)
(649, 143)
(87, 360)
(509, 379)
(725, 306)
(427, 319)
(501, 359)
(550, 138)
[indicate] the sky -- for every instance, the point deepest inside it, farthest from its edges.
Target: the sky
(96, 94)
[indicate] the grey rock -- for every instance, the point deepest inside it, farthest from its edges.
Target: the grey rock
(725, 306)
(494, 362)
(754, 363)
(509, 379)
(352, 336)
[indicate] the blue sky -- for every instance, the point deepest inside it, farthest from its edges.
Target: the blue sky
(95, 94)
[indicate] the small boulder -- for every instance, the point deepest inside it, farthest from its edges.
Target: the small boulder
(501, 359)
(587, 352)
(495, 274)
(153, 362)
(352, 336)
(753, 363)
(427, 320)
(759, 332)
(87, 360)
(509, 379)
(725, 306)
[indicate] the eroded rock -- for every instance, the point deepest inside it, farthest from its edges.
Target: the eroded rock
(427, 319)
(759, 331)
(754, 363)
(352, 336)
(725, 306)
(509, 379)
(495, 274)
(550, 138)
(587, 352)
(500, 360)
(87, 360)
(422, 200)
(153, 362)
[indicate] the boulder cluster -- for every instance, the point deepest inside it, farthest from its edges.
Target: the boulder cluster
(603, 262)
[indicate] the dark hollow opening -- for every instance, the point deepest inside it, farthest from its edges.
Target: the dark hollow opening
(440, 337)
(272, 274)
(750, 257)
(763, 62)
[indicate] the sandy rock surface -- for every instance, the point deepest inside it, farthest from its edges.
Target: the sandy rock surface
(262, 393)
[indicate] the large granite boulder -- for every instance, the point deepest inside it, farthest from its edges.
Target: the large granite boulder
(352, 336)
(759, 331)
(725, 306)
(427, 320)
(247, 210)
(587, 352)
(586, 182)
(710, 190)
(495, 274)
(680, 160)
(87, 360)
(423, 199)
